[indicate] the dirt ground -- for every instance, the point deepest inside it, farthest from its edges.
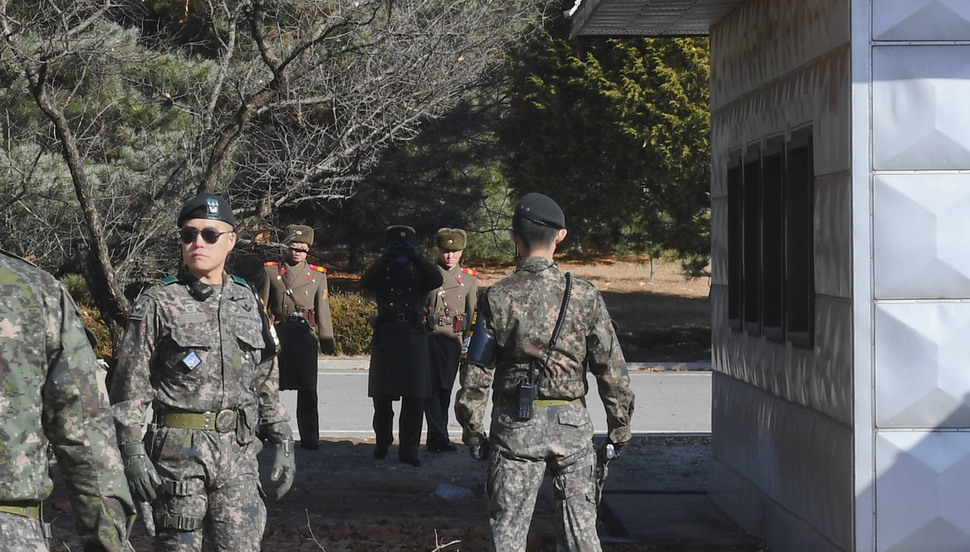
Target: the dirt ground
(345, 500)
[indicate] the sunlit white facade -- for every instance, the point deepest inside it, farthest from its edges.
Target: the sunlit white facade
(840, 129)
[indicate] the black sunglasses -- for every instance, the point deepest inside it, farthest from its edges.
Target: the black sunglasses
(210, 235)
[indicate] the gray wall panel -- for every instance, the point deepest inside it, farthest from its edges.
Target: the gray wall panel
(770, 39)
(833, 235)
(805, 471)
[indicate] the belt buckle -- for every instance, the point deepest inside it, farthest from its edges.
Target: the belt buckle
(226, 420)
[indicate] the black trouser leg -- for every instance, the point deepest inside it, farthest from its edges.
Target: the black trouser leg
(437, 421)
(307, 418)
(383, 423)
(410, 422)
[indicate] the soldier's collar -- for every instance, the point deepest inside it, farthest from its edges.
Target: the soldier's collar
(536, 264)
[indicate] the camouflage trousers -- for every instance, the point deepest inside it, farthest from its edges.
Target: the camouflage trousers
(557, 440)
(210, 491)
(21, 534)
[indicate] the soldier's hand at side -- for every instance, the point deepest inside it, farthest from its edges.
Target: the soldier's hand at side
(140, 472)
(284, 467)
(327, 346)
(479, 451)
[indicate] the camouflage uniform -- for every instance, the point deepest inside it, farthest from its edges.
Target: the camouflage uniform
(521, 310)
(49, 395)
(451, 308)
(185, 356)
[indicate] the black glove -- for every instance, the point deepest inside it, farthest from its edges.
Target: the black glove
(479, 451)
(327, 346)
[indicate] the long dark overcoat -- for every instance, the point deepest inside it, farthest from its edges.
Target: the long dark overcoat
(399, 363)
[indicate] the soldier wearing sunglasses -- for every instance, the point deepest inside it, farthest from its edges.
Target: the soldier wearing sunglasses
(199, 350)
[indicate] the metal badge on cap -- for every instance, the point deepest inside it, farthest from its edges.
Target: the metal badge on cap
(212, 206)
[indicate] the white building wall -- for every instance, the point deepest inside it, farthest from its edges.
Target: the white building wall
(783, 415)
(919, 303)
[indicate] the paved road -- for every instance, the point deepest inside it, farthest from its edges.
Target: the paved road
(666, 401)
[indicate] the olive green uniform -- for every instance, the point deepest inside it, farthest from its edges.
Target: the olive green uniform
(452, 306)
(298, 302)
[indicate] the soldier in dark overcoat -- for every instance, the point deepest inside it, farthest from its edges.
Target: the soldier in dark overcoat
(399, 367)
(452, 306)
(295, 294)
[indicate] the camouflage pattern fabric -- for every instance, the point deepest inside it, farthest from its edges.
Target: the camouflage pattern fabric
(558, 439)
(217, 477)
(49, 394)
(521, 311)
(20, 534)
(184, 355)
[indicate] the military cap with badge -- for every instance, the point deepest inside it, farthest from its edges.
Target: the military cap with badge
(452, 239)
(540, 209)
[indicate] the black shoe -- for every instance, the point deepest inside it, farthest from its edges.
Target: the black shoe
(380, 452)
(413, 460)
(447, 447)
(309, 445)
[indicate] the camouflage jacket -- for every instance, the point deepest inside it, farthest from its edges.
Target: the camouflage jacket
(181, 354)
(521, 311)
(49, 393)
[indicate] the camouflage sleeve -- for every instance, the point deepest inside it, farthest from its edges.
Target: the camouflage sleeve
(77, 421)
(472, 397)
(606, 362)
(131, 388)
(274, 422)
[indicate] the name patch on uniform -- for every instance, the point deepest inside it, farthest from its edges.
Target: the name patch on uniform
(191, 360)
(192, 317)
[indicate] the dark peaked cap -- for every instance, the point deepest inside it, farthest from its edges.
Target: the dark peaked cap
(399, 233)
(540, 209)
(207, 206)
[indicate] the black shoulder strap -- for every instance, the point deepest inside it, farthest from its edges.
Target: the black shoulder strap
(555, 332)
(562, 313)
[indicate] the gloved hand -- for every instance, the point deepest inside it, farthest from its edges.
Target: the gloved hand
(609, 451)
(140, 472)
(327, 346)
(479, 451)
(284, 467)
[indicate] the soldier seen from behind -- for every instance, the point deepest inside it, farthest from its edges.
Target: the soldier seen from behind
(451, 307)
(199, 350)
(296, 296)
(399, 367)
(533, 336)
(49, 395)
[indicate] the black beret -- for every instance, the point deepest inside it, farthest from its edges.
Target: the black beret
(207, 206)
(540, 209)
(451, 239)
(398, 233)
(298, 233)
